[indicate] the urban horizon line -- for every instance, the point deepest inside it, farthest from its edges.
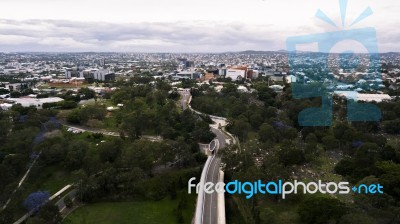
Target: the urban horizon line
(205, 52)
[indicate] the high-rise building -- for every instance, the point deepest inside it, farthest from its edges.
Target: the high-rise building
(98, 74)
(69, 73)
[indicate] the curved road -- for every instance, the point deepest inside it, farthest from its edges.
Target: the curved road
(106, 132)
(185, 99)
(210, 206)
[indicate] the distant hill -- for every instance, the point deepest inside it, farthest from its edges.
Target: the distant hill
(285, 51)
(268, 52)
(260, 52)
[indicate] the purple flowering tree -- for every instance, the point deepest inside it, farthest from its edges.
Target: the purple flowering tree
(36, 199)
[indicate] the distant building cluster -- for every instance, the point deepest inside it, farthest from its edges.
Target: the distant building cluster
(74, 70)
(90, 74)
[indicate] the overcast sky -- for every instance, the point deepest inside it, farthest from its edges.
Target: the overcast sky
(181, 25)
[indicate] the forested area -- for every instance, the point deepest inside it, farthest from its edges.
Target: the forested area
(274, 146)
(103, 168)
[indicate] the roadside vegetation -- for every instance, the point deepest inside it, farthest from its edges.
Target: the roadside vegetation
(273, 146)
(103, 168)
(114, 174)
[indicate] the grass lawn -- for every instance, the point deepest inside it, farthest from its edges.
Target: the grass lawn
(50, 179)
(140, 212)
(110, 123)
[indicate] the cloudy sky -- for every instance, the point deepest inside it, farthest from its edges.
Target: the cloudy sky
(182, 25)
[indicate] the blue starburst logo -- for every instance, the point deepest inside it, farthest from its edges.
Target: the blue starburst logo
(326, 43)
(343, 9)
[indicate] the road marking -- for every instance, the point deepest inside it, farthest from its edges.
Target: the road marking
(204, 195)
(212, 179)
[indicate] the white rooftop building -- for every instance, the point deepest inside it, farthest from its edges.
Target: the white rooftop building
(242, 89)
(363, 97)
(235, 74)
(38, 103)
(290, 78)
(5, 106)
(373, 97)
